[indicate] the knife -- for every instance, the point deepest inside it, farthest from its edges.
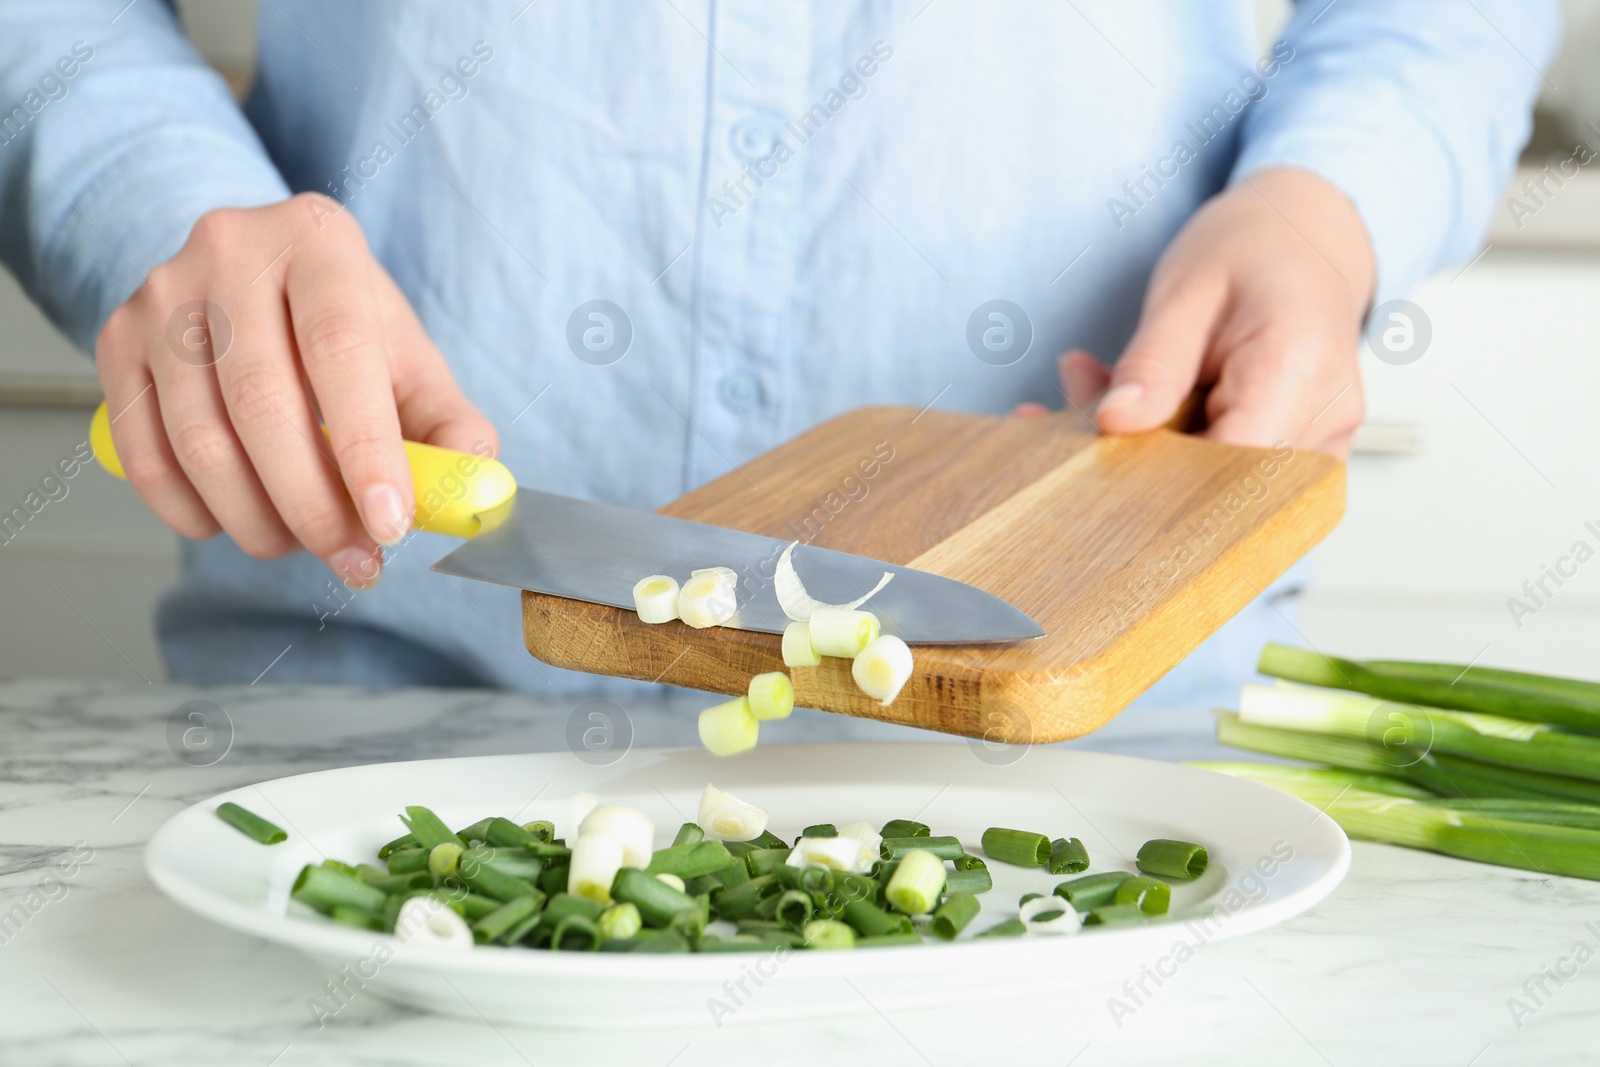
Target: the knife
(593, 552)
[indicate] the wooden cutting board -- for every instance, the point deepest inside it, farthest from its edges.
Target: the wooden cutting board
(1129, 551)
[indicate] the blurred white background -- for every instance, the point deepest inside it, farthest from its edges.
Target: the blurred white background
(1475, 470)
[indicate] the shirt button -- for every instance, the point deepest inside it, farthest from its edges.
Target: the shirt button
(739, 391)
(753, 139)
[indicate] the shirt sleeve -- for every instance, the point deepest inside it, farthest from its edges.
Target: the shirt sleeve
(114, 138)
(1414, 109)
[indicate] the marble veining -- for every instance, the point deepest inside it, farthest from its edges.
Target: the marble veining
(1415, 960)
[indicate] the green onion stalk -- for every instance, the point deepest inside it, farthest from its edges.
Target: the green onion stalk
(1513, 694)
(1488, 832)
(1411, 729)
(1440, 773)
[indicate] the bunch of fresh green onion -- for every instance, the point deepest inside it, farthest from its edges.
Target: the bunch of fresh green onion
(1497, 766)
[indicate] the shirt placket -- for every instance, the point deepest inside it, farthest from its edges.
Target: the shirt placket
(750, 222)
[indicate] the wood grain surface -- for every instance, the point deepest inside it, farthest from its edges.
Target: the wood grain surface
(1129, 551)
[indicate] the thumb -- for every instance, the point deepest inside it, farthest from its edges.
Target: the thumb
(1159, 367)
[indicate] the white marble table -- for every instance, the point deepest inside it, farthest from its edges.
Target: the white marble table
(1413, 961)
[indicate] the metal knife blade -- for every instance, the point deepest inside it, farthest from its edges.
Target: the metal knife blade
(596, 552)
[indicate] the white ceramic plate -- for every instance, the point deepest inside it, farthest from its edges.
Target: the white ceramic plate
(1272, 857)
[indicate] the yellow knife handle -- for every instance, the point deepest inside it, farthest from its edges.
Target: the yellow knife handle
(453, 489)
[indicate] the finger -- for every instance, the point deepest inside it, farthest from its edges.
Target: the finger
(340, 338)
(1084, 379)
(267, 404)
(1159, 367)
(138, 434)
(1255, 401)
(1029, 409)
(432, 407)
(202, 438)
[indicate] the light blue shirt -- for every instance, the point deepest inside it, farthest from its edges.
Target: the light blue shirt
(797, 208)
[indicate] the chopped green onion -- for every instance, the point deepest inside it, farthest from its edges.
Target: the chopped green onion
(563, 904)
(953, 915)
(771, 695)
(827, 934)
(916, 884)
(691, 861)
(971, 880)
(345, 915)
(835, 853)
(734, 943)
(1092, 890)
(444, 858)
(596, 860)
(657, 902)
(499, 922)
(402, 883)
(688, 834)
(250, 824)
(888, 940)
(629, 826)
(428, 828)
(478, 831)
(872, 921)
(842, 632)
(740, 901)
(664, 941)
(575, 933)
(708, 598)
(1009, 928)
(905, 828)
(655, 598)
(542, 829)
(404, 841)
(730, 728)
(1114, 915)
(766, 860)
(489, 882)
(324, 889)
(512, 861)
(1152, 897)
(724, 817)
(821, 829)
(1019, 847)
(1183, 860)
(882, 668)
(867, 841)
(1047, 915)
(946, 848)
(793, 908)
(408, 861)
(671, 879)
(968, 862)
(619, 921)
(767, 839)
(430, 920)
(798, 651)
(1068, 856)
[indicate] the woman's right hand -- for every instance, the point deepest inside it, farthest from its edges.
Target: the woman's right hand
(218, 370)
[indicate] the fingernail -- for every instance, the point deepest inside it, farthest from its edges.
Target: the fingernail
(358, 568)
(1123, 396)
(384, 514)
